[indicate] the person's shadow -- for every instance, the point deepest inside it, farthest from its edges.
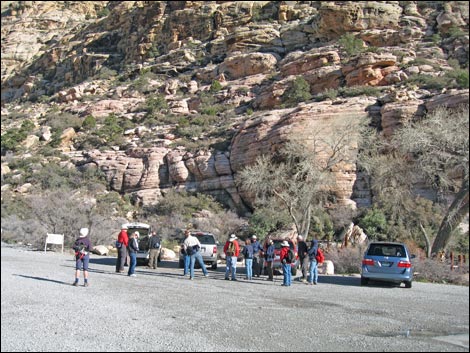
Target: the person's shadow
(43, 279)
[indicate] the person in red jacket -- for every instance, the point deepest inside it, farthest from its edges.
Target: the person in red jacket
(121, 245)
(286, 269)
(231, 250)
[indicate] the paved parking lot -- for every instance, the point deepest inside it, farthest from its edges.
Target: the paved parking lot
(160, 310)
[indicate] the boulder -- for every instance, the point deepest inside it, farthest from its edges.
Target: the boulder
(167, 254)
(326, 268)
(100, 250)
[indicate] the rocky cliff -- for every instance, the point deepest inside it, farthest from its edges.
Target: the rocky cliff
(59, 55)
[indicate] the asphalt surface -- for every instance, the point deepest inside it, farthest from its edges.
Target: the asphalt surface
(160, 310)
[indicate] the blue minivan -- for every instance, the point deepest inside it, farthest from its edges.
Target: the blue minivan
(388, 262)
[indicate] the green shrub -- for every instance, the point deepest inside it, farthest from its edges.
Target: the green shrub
(216, 86)
(185, 204)
(351, 45)
(12, 139)
(355, 91)
(89, 122)
(298, 92)
(154, 104)
(374, 224)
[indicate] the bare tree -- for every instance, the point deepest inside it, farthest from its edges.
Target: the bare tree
(300, 175)
(434, 151)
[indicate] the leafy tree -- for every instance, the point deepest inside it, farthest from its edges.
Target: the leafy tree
(433, 150)
(266, 219)
(299, 174)
(374, 224)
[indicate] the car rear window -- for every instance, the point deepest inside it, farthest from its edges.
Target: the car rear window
(391, 250)
(205, 238)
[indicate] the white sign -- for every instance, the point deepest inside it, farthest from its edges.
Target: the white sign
(54, 239)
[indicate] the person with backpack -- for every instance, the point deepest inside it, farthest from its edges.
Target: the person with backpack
(186, 257)
(132, 248)
(302, 250)
(269, 257)
(121, 246)
(192, 248)
(286, 258)
(231, 250)
(312, 254)
(82, 247)
(154, 250)
(248, 255)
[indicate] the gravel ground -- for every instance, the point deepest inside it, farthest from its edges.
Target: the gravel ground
(160, 310)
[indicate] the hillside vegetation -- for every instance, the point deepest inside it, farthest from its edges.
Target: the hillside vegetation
(153, 112)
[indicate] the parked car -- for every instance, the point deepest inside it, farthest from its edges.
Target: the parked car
(277, 265)
(208, 249)
(144, 230)
(387, 261)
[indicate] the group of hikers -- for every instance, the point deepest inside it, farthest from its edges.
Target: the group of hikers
(256, 256)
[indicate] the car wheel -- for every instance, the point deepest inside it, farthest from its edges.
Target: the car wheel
(407, 284)
(364, 281)
(214, 266)
(181, 264)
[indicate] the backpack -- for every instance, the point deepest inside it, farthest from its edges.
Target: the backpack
(231, 249)
(189, 250)
(156, 244)
(320, 257)
(80, 250)
(290, 256)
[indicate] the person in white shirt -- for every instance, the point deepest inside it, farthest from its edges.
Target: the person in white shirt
(192, 248)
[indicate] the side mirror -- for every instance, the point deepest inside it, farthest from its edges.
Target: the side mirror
(412, 256)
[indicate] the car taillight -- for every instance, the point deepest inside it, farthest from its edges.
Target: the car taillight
(368, 262)
(214, 251)
(404, 264)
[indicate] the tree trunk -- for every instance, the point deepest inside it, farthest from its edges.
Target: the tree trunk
(456, 213)
(426, 239)
(307, 218)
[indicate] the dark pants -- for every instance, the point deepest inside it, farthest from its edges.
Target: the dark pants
(304, 265)
(269, 268)
(121, 259)
(257, 265)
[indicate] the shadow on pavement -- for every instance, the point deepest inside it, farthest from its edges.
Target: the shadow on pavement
(43, 279)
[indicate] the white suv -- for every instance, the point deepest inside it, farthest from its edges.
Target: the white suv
(144, 230)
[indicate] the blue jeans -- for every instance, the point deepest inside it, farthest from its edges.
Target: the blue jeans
(231, 267)
(197, 255)
(133, 257)
(313, 272)
(286, 270)
(249, 268)
(187, 261)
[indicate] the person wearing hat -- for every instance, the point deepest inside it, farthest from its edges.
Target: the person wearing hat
(82, 247)
(121, 245)
(302, 250)
(286, 269)
(132, 248)
(257, 256)
(231, 250)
